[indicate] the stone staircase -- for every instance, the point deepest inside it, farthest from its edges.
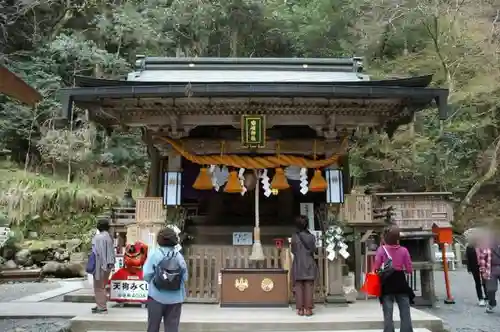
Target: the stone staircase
(363, 316)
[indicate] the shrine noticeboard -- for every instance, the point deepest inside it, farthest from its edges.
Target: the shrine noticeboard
(253, 131)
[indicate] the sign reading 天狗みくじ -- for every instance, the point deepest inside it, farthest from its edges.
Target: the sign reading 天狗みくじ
(128, 290)
(253, 131)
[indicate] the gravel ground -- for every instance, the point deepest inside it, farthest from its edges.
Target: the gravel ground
(14, 291)
(34, 325)
(465, 315)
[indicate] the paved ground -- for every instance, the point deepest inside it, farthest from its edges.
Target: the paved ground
(464, 315)
(15, 291)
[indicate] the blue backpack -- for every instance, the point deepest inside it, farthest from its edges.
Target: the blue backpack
(168, 273)
(92, 262)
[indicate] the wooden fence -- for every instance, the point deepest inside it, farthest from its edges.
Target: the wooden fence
(205, 262)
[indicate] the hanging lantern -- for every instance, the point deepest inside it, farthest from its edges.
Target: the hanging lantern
(279, 180)
(318, 182)
(203, 181)
(233, 185)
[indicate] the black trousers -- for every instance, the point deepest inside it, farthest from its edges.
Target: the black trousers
(170, 313)
(480, 285)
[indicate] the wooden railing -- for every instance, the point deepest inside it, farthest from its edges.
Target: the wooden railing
(205, 262)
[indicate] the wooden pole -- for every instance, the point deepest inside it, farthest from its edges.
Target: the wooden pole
(449, 299)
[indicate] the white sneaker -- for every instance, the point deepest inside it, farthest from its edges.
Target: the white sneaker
(489, 309)
(482, 303)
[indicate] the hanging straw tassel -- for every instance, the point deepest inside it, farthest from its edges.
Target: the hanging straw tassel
(203, 181)
(233, 185)
(318, 182)
(279, 180)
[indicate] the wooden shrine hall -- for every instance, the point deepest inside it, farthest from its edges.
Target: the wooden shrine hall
(244, 146)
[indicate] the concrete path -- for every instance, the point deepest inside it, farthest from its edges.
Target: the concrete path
(12, 310)
(65, 287)
(397, 330)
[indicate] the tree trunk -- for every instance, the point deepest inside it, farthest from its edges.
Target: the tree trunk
(234, 43)
(479, 183)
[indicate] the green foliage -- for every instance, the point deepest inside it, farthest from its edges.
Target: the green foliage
(47, 43)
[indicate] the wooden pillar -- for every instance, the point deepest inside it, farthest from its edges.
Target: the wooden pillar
(427, 284)
(153, 187)
(334, 276)
(358, 258)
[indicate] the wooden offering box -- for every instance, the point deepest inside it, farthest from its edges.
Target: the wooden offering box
(254, 288)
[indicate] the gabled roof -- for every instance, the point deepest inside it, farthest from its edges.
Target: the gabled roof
(13, 86)
(411, 82)
(190, 87)
(248, 70)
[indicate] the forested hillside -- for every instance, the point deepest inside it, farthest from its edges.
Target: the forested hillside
(49, 41)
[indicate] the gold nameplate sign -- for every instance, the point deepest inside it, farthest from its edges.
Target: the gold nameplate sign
(253, 131)
(267, 285)
(241, 284)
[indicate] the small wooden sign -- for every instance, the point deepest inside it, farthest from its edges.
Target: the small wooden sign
(253, 131)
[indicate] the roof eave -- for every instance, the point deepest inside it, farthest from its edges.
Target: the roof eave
(420, 96)
(13, 86)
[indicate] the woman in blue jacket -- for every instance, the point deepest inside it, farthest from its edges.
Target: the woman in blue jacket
(164, 304)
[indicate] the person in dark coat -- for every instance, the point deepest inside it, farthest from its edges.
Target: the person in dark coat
(472, 256)
(304, 269)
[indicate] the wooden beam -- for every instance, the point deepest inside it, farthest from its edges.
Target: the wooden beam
(314, 120)
(302, 147)
(13, 86)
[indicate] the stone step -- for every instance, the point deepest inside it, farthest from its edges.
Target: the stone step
(361, 316)
(397, 330)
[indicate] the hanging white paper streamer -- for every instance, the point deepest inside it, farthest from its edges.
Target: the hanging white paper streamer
(219, 176)
(265, 183)
(214, 178)
(304, 187)
(335, 243)
(241, 177)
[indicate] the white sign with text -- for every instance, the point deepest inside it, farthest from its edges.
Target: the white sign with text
(128, 290)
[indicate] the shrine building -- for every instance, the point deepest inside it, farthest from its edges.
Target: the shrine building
(240, 147)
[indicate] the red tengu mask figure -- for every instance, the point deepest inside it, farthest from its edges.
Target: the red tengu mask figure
(135, 256)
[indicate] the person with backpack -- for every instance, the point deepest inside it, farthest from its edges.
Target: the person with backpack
(165, 271)
(392, 261)
(304, 269)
